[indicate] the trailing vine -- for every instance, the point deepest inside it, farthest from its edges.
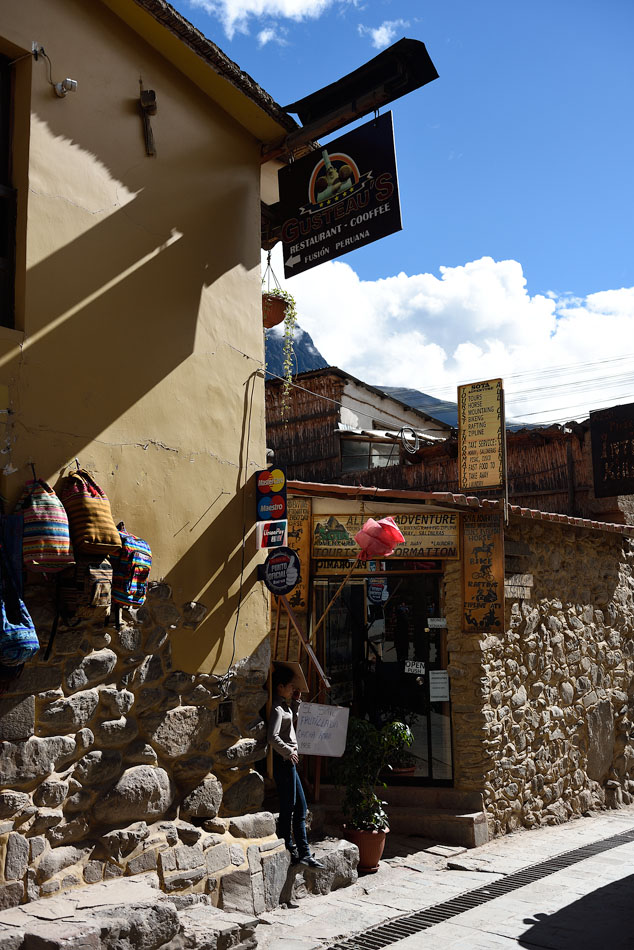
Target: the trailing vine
(290, 322)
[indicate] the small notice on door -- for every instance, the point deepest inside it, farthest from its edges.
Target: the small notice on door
(321, 729)
(415, 666)
(438, 686)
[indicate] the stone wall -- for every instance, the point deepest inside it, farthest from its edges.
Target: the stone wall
(542, 715)
(106, 736)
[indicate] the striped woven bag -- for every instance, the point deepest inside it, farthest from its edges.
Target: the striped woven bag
(92, 528)
(131, 569)
(45, 538)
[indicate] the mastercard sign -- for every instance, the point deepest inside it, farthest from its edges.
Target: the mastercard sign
(270, 494)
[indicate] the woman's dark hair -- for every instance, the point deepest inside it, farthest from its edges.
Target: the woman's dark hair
(282, 676)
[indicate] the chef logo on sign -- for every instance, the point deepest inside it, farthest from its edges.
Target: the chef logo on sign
(334, 177)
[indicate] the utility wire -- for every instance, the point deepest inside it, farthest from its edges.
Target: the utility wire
(622, 384)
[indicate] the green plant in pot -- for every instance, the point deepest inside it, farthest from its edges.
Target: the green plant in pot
(368, 751)
(279, 306)
(401, 761)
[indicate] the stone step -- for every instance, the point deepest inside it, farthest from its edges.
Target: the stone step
(446, 815)
(444, 825)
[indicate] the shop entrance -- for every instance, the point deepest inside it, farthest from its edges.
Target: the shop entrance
(384, 646)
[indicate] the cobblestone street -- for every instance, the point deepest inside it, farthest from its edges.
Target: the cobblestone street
(586, 906)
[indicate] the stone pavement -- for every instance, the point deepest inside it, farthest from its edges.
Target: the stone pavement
(588, 906)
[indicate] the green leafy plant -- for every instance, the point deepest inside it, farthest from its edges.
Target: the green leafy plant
(368, 751)
(288, 348)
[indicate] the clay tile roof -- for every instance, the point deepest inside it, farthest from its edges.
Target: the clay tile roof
(454, 500)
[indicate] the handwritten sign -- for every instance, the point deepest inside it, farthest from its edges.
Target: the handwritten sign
(322, 730)
(481, 435)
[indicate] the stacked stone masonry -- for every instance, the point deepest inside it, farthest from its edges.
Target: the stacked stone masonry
(112, 763)
(542, 714)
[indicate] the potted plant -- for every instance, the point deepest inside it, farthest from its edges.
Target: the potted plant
(275, 305)
(368, 751)
(279, 305)
(401, 761)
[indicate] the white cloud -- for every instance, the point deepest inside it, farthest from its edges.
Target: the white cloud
(269, 35)
(475, 321)
(385, 34)
(236, 14)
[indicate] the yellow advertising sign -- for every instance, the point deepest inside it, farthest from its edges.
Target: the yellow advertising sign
(428, 534)
(483, 571)
(299, 511)
(481, 435)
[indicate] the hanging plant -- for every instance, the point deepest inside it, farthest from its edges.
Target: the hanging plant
(278, 306)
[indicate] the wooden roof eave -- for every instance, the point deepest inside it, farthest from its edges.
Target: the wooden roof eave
(205, 64)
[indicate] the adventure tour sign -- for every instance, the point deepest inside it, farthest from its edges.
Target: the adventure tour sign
(428, 534)
(340, 197)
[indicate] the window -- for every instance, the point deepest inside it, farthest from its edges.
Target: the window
(7, 200)
(358, 455)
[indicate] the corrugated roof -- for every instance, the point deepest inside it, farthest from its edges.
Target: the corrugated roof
(452, 500)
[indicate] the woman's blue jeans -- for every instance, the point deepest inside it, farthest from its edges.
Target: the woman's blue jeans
(292, 805)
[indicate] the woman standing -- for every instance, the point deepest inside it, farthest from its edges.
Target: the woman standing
(282, 722)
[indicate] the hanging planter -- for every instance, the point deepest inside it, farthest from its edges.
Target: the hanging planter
(278, 306)
(273, 309)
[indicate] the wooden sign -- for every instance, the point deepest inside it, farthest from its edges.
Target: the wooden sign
(428, 534)
(340, 196)
(481, 442)
(612, 438)
(483, 571)
(299, 512)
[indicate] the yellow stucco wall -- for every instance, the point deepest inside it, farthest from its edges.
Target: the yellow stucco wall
(138, 296)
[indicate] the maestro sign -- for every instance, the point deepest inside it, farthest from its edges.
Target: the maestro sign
(270, 494)
(340, 197)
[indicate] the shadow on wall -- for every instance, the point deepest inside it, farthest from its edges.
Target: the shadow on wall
(222, 584)
(602, 918)
(114, 313)
(221, 579)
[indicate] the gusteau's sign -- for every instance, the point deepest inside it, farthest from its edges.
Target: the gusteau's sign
(483, 571)
(612, 437)
(481, 435)
(340, 197)
(428, 534)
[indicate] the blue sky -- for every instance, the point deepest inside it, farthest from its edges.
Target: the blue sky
(516, 174)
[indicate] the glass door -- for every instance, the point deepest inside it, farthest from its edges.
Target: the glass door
(385, 651)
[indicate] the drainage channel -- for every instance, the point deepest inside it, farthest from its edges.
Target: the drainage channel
(394, 930)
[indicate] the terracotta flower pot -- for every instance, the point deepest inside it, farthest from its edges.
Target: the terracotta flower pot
(370, 845)
(273, 310)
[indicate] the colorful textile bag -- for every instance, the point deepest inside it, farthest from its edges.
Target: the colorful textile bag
(18, 638)
(92, 528)
(45, 539)
(88, 585)
(131, 569)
